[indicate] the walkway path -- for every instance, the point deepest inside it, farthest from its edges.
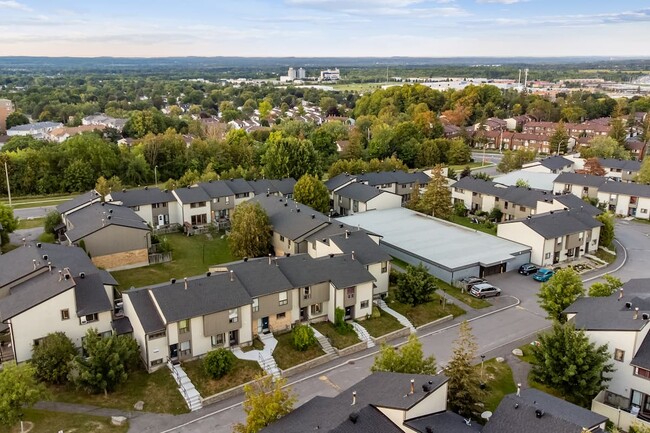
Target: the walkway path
(363, 334)
(324, 343)
(185, 387)
(400, 318)
(520, 369)
(263, 357)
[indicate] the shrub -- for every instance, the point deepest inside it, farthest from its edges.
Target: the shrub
(52, 220)
(393, 277)
(218, 363)
(303, 337)
(47, 238)
(339, 321)
(460, 209)
(51, 358)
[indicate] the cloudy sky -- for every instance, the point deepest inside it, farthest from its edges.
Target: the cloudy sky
(318, 28)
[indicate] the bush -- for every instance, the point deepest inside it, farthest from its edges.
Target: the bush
(393, 277)
(218, 363)
(303, 337)
(51, 358)
(339, 321)
(47, 238)
(52, 220)
(460, 209)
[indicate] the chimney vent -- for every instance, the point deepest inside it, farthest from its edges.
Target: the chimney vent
(519, 390)
(412, 386)
(173, 281)
(628, 305)
(636, 313)
(245, 259)
(645, 316)
(516, 405)
(331, 255)
(354, 398)
(82, 275)
(232, 275)
(45, 256)
(185, 281)
(426, 387)
(49, 266)
(347, 234)
(38, 245)
(207, 274)
(60, 275)
(313, 216)
(66, 276)
(34, 262)
(620, 294)
(539, 413)
(352, 255)
(288, 254)
(354, 416)
(269, 258)
(429, 429)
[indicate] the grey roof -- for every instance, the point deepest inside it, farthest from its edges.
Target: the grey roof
(239, 186)
(31, 293)
(574, 202)
(542, 181)
(623, 164)
(145, 310)
(611, 313)
(99, 215)
(83, 199)
(367, 420)
(339, 180)
(262, 186)
(260, 276)
(19, 262)
(360, 192)
(36, 126)
(90, 295)
(122, 325)
(580, 179)
(397, 176)
(554, 224)
(341, 270)
(380, 389)
(556, 162)
(289, 218)
(514, 194)
(216, 189)
(141, 197)
(191, 195)
(447, 422)
(284, 186)
(642, 356)
(365, 249)
(518, 414)
(631, 189)
(203, 296)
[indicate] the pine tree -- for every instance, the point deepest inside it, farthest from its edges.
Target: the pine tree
(464, 381)
(436, 200)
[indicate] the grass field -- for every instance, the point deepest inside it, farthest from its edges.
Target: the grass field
(242, 372)
(36, 200)
(338, 340)
(287, 356)
(382, 325)
(604, 255)
(462, 296)
(30, 223)
(49, 422)
(192, 255)
(467, 222)
(423, 313)
(158, 390)
(358, 87)
(498, 379)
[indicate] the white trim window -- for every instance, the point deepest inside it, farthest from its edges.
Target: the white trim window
(283, 298)
(233, 316)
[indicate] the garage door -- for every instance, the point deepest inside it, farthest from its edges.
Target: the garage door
(492, 270)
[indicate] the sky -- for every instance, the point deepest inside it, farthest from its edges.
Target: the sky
(325, 28)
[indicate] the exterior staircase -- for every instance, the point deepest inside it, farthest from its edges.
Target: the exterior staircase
(324, 343)
(363, 334)
(400, 318)
(186, 387)
(268, 364)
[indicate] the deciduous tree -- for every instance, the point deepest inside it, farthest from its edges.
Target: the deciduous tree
(16, 118)
(8, 222)
(644, 172)
(250, 232)
(18, 389)
(436, 200)
(51, 357)
(607, 230)
(604, 147)
(408, 358)
(289, 157)
(266, 400)
(560, 291)
(415, 286)
(312, 192)
(464, 381)
(559, 140)
(592, 166)
(217, 363)
(606, 288)
(567, 361)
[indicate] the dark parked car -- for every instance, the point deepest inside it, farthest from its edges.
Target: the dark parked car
(485, 291)
(543, 275)
(528, 269)
(469, 282)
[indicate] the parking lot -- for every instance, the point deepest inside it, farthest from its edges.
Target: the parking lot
(522, 287)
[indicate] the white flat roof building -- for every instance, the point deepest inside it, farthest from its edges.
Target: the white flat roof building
(450, 251)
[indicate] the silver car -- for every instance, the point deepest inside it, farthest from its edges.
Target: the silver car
(484, 291)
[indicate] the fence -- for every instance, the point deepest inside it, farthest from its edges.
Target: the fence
(172, 228)
(156, 258)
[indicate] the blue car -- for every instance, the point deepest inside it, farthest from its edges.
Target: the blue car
(543, 274)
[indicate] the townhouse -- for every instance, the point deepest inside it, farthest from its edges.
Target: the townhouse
(553, 164)
(79, 202)
(627, 199)
(555, 236)
(359, 197)
(46, 288)
(397, 182)
(581, 185)
(193, 203)
(114, 236)
(620, 169)
(620, 321)
(157, 207)
(221, 198)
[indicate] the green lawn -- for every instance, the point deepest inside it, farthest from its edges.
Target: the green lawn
(527, 349)
(37, 200)
(462, 296)
(257, 345)
(158, 391)
(242, 372)
(49, 422)
(605, 256)
(498, 379)
(30, 223)
(382, 325)
(423, 313)
(460, 167)
(338, 340)
(466, 222)
(401, 263)
(287, 356)
(192, 255)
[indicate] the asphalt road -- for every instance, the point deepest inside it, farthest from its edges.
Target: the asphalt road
(33, 212)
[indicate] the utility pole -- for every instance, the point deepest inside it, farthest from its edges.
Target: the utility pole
(7, 177)
(155, 174)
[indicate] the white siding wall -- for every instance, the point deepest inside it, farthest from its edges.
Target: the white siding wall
(519, 232)
(384, 201)
(382, 278)
(363, 293)
(436, 402)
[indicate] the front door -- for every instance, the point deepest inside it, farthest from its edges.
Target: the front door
(303, 314)
(265, 324)
(233, 338)
(173, 351)
(349, 311)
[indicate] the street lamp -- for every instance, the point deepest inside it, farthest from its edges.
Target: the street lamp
(155, 174)
(482, 359)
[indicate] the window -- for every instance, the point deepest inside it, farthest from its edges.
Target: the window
(289, 243)
(559, 240)
(88, 318)
(619, 355)
(280, 316)
(522, 208)
(217, 340)
(197, 204)
(227, 200)
(199, 219)
(183, 326)
(233, 316)
(547, 256)
(580, 236)
(283, 298)
(364, 304)
(384, 267)
(643, 211)
(157, 335)
(256, 305)
(306, 294)
(156, 362)
(316, 309)
(355, 205)
(186, 348)
(65, 314)
(281, 238)
(39, 340)
(349, 292)
(642, 372)
(505, 205)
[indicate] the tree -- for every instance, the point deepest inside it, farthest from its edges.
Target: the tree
(265, 108)
(51, 358)
(250, 232)
(567, 361)
(18, 389)
(105, 186)
(592, 166)
(312, 192)
(217, 363)
(560, 291)
(8, 222)
(266, 400)
(409, 358)
(611, 285)
(559, 141)
(415, 286)
(522, 183)
(289, 157)
(105, 363)
(302, 337)
(644, 172)
(515, 160)
(607, 230)
(618, 132)
(16, 118)
(604, 147)
(52, 219)
(458, 153)
(436, 200)
(464, 382)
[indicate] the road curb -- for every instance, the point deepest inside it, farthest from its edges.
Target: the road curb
(618, 268)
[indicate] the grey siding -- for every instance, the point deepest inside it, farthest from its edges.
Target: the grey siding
(270, 305)
(116, 239)
(318, 293)
(217, 323)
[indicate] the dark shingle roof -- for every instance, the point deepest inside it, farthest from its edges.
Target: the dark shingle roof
(574, 202)
(122, 325)
(365, 249)
(239, 186)
(32, 292)
(289, 218)
(90, 295)
(262, 186)
(89, 219)
(145, 310)
(338, 181)
(580, 179)
(631, 189)
(284, 186)
(447, 422)
(555, 162)
(83, 199)
(642, 356)
(216, 189)
(518, 414)
(360, 192)
(341, 270)
(622, 164)
(203, 296)
(514, 194)
(191, 195)
(554, 224)
(141, 197)
(367, 420)
(259, 277)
